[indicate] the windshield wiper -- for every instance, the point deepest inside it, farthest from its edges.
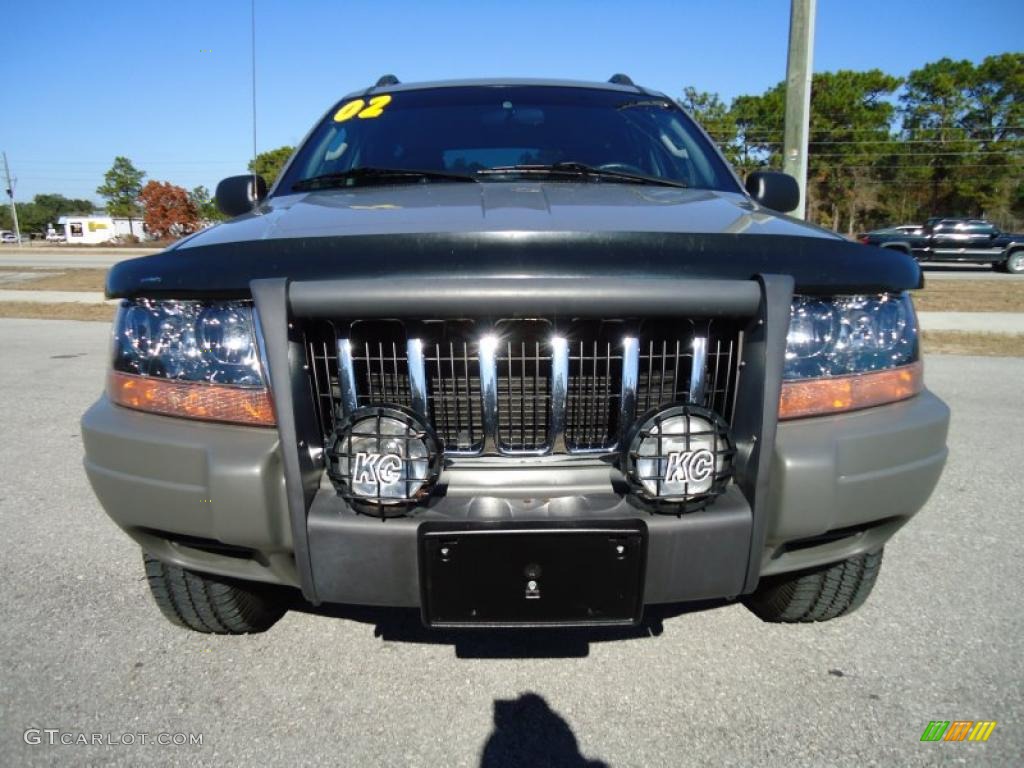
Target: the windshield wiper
(649, 103)
(354, 176)
(571, 168)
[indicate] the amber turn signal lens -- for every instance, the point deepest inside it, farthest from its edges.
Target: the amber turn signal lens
(818, 397)
(192, 400)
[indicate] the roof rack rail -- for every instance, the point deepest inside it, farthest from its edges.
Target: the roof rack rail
(621, 79)
(386, 80)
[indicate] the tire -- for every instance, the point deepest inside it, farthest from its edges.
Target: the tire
(1014, 263)
(212, 604)
(818, 595)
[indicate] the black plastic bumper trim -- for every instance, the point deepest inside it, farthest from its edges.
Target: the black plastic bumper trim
(363, 560)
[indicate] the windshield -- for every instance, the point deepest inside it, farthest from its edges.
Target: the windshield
(502, 133)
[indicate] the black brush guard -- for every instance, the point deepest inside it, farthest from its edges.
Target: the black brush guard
(342, 556)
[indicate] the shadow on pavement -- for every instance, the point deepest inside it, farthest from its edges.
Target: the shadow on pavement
(403, 625)
(527, 732)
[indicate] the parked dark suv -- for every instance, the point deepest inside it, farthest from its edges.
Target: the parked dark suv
(512, 353)
(955, 240)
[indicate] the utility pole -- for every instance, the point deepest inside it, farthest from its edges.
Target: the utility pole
(798, 96)
(10, 195)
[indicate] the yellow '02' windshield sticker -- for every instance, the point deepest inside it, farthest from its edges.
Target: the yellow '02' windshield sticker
(361, 109)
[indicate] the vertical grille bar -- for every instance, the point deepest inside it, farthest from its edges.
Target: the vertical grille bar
(346, 377)
(630, 374)
(488, 347)
(417, 375)
(698, 371)
(559, 393)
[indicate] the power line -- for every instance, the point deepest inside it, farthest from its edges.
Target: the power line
(752, 136)
(849, 129)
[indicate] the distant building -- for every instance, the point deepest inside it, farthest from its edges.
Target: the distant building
(99, 228)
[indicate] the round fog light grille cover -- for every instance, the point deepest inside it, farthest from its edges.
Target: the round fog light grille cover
(382, 458)
(679, 459)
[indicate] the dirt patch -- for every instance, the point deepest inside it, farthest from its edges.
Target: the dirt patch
(39, 311)
(967, 343)
(65, 280)
(970, 296)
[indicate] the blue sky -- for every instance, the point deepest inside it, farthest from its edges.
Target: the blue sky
(168, 84)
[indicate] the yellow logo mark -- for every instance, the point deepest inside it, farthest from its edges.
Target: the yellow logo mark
(362, 110)
(958, 730)
(982, 730)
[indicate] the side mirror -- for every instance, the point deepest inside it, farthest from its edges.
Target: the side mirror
(236, 195)
(778, 191)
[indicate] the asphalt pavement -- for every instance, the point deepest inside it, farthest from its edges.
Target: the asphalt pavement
(83, 650)
(68, 257)
(933, 271)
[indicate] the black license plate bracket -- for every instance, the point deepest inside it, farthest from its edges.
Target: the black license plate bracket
(532, 574)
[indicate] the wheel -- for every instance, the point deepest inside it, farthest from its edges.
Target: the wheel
(1014, 263)
(817, 595)
(212, 604)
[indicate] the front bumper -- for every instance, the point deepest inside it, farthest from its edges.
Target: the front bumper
(213, 498)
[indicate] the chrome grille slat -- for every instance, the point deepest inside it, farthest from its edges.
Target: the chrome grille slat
(523, 404)
(532, 389)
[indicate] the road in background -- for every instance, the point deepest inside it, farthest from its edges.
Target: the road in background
(68, 258)
(933, 271)
(83, 648)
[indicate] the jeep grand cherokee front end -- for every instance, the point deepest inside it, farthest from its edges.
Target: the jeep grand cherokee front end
(513, 353)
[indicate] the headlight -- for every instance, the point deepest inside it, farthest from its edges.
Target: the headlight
(849, 352)
(189, 358)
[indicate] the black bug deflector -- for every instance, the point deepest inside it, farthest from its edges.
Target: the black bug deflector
(818, 265)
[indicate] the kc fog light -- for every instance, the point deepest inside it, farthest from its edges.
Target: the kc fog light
(382, 458)
(680, 458)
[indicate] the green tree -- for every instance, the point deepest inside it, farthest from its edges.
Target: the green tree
(205, 205)
(946, 141)
(967, 124)
(269, 164)
(936, 107)
(759, 124)
(850, 139)
(714, 116)
(997, 126)
(44, 209)
(121, 187)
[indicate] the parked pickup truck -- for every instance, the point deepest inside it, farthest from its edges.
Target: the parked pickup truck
(960, 240)
(513, 353)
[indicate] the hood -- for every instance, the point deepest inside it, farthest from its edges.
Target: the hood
(510, 229)
(434, 208)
